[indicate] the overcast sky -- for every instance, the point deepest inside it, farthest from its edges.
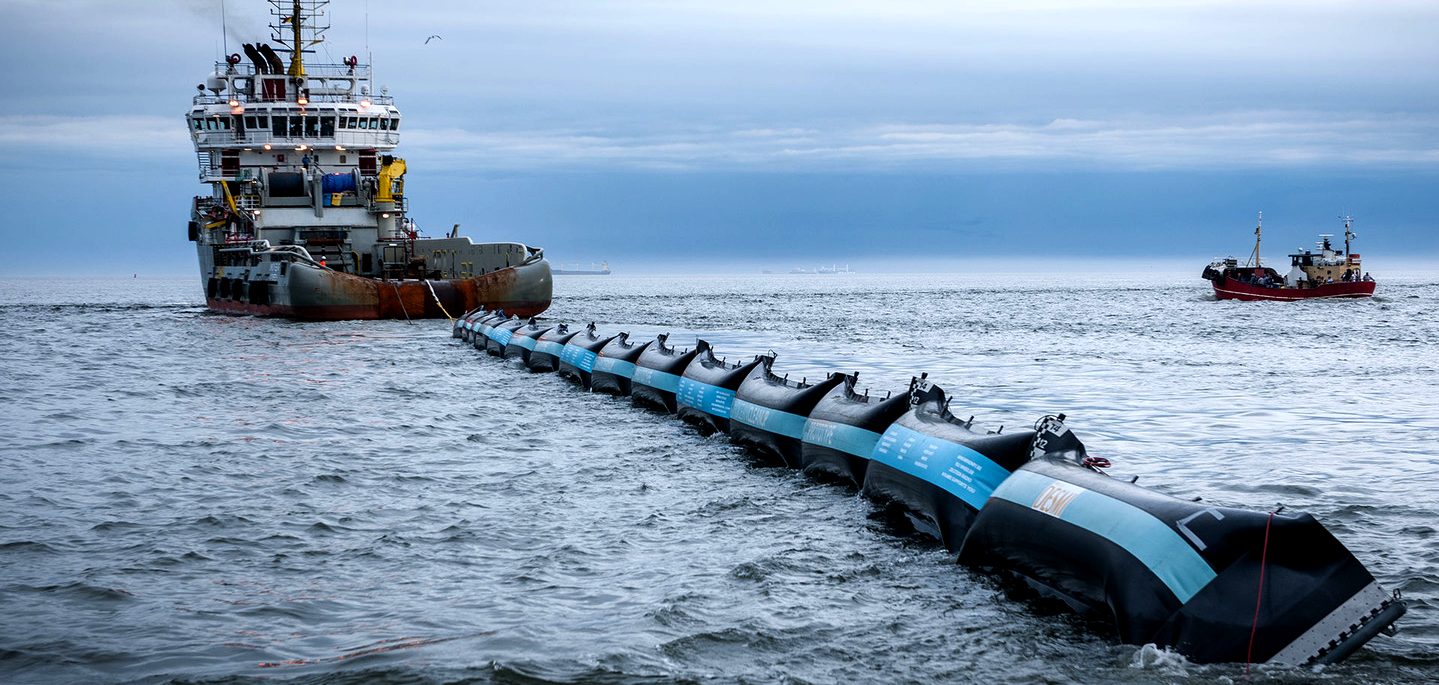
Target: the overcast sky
(823, 129)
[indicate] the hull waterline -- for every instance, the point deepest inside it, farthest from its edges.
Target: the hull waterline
(311, 293)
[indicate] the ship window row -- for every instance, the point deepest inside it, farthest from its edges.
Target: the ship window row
(297, 126)
(211, 124)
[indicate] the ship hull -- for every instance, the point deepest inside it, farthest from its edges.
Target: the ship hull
(1226, 288)
(311, 293)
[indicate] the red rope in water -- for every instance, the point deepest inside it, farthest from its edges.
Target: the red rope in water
(1263, 562)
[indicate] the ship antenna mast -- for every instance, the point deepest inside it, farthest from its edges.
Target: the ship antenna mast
(1258, 235)
(297, 62)
(224, 29)
(1348, 234)
(292, 18)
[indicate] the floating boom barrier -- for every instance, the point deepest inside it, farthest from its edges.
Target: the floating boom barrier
(1215, 584)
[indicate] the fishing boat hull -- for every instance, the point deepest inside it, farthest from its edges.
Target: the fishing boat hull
(1231, 289)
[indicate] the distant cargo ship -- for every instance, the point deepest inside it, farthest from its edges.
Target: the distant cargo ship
(307, 216)
(601, 269)
(831, 269)
(1328, 273)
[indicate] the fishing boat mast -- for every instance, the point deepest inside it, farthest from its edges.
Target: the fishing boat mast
(1258, 236)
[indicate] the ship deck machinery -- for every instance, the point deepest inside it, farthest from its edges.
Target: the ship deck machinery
(308, 215)
(1217, 584)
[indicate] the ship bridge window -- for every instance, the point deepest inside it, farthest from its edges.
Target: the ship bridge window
(199, 124)
(384, 124)
(297, 126)
(312, 127)
(327, 127)
(395, 124)
(277, 126)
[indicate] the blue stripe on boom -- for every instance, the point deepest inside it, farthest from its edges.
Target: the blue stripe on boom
(840, 436)
(549, 347)
(961, 471)
(710, 399)
(1172, 560)
(765, 418)
(523, 341)
(578, 357)
(618, 367)
(501, 336)
(659, 380)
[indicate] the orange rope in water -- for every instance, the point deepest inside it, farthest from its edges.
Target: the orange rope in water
(1263, 562)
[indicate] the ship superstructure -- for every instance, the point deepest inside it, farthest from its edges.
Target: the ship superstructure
(307, 215)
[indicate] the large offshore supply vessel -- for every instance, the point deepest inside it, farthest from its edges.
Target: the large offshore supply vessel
(307, 217)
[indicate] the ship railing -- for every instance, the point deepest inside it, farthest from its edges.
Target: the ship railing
(246, 69)
(343, 138)
(315, 96)
(323, 83)
(399, 206)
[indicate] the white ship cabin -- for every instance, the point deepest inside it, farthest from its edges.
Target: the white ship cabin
(1328, 265)
(299, 153)
(244, 122)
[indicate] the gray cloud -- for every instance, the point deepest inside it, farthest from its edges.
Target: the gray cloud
(1247, 140)
(806, 84)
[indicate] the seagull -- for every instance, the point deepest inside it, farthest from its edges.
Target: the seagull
(432, 37)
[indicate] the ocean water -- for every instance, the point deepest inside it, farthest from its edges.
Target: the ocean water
(204, 498)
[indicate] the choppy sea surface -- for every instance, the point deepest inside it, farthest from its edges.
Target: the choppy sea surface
(204, 498)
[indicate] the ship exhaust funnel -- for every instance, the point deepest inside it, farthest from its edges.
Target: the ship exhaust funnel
(276, 65)
(261, 66)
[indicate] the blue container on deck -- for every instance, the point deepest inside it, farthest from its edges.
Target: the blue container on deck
(337, 183)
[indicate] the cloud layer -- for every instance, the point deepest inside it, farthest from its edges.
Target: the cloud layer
(1241, 141)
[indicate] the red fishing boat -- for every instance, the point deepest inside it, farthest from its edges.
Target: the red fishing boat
(1327, 273)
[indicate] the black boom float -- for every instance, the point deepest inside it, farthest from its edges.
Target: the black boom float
(1216, 584)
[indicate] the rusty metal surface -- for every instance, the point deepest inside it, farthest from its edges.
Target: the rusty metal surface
(322, 295)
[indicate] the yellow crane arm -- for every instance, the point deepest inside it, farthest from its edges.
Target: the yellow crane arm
(389, 174)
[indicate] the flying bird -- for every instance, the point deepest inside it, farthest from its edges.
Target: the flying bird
(432, 37)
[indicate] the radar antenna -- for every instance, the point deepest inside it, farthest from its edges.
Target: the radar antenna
(298, 26)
